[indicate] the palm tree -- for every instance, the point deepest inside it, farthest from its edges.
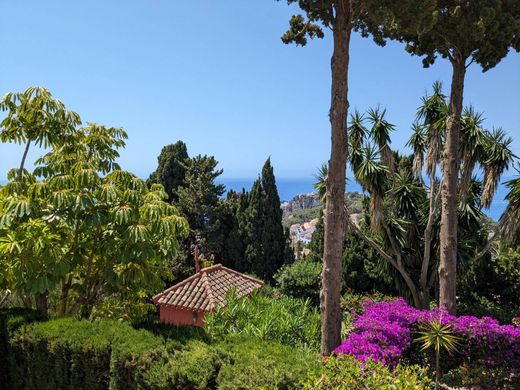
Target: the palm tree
(496, 160)
(380, 133)
(510, 219)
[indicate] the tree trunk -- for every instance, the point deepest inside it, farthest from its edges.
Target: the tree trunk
(335, 219)
(65, 288)
(449, 195)
(41, 302)
(22, 163)
(423, 282)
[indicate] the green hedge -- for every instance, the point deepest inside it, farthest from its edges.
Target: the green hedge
(264, 365)
(10, 320)
(73, 354)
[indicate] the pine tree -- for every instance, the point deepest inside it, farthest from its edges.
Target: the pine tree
(199, 202)
(233, 255)
(171, 169)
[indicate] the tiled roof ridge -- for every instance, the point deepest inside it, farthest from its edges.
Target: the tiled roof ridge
(242, 275)
(181, 283)
(207, 287)
(187, 280)
(202, 277)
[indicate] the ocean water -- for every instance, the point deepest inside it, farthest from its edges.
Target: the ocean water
(288, 188)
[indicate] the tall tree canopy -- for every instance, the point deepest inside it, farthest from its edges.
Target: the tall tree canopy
(267, 245)
(199, 201)
(171, 169)
(481, 31)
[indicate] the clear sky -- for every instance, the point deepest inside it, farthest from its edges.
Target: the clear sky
(216, 75)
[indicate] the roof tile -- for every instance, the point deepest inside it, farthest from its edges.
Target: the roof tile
(207, 288)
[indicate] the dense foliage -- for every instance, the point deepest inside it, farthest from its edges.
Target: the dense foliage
(300, 280)
(78, 229)
(171, 168)
(68, 353)
(267, 317)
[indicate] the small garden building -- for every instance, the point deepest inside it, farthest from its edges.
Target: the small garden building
(187, 302)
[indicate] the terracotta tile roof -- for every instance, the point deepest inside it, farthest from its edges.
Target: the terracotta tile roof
(207, 289)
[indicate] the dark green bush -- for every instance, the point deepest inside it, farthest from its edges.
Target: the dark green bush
(10, 320)
(301, 279)
(68, 353)
(264, 365)
(347, 372)
(178, 334)
(195, 367)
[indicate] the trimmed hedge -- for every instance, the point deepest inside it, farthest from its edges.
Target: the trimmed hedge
(72, 354)
(10, 320)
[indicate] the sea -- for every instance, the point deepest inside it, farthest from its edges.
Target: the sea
(288, 188)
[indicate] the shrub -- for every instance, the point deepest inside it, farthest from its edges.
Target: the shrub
(384, 333)
(301, 279)
(346, 372)
(277, 318)
(264, 365)
(195, 367)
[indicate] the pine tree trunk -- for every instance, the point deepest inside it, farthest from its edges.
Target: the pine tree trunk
(335, 218)
(449, 194)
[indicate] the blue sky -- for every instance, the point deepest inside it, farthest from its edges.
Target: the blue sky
(216, 75)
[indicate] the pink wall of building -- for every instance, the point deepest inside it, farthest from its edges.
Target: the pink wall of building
(176, 316)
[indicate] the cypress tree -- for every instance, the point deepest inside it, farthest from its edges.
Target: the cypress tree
(267, 247)
(253, 230)
(273, 237)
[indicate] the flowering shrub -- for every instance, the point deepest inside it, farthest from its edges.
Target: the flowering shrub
(384, 333)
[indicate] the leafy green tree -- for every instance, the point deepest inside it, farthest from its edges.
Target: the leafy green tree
(171, 169)
(34, 116)
(80, 224)
(234, 255)
(408, 238)
(300, 279)
(463, 32)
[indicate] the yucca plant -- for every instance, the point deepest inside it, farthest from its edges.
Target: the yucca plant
(434, 334)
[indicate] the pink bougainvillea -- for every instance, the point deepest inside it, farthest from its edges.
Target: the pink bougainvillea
(385, 331)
